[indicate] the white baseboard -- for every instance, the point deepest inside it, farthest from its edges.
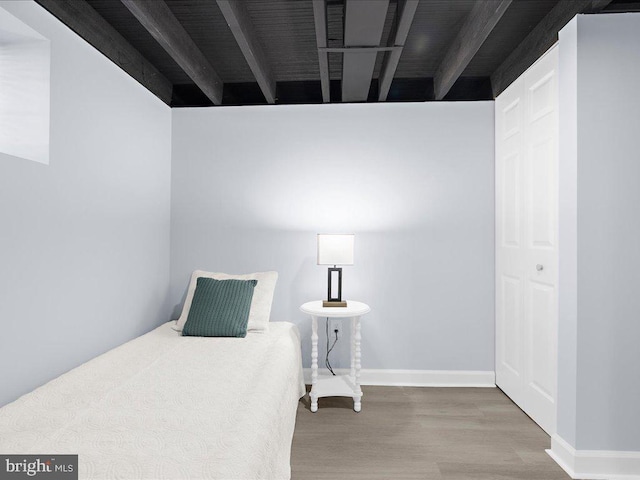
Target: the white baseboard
(595, 464)
(417, 378)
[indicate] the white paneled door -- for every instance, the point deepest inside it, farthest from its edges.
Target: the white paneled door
(527, 240)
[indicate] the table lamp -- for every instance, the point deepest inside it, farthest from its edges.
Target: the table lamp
(335, 249)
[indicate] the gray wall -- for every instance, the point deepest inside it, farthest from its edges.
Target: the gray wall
(608, 387)
(568, 232)
(252, 186)
(84, 241)
(604, 337)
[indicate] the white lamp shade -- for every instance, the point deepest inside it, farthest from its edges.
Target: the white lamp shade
(335, 249)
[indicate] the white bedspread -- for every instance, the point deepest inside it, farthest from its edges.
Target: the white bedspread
(165, 406)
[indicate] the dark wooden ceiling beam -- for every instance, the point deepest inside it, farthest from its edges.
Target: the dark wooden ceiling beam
(360, 49)
(157, 18)
(406, 12)
(483, 17)
(539, 40)
(237, 17)
(80, 17)
(320, 19)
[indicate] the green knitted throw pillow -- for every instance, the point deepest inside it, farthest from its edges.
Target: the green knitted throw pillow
(220, 308)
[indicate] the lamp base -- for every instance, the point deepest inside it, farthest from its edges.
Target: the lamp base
(334, 303)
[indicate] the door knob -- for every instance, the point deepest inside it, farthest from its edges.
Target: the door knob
(539, 267)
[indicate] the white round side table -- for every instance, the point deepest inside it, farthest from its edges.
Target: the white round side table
(338, 385)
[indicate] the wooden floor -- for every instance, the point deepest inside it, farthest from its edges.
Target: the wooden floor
(420, 433)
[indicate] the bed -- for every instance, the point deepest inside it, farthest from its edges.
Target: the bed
(164, 406)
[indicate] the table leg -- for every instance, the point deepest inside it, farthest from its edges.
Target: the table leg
(314, 364)
(353, 349)
(357, 396)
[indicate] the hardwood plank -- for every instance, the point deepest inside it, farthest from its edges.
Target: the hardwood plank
(479, 23)
(420, 433)
(539, 40)
(237, 17)
(80, 17)
(407, 11)
(160, 22)
(457, 471)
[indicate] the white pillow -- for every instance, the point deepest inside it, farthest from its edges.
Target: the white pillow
(260, 303)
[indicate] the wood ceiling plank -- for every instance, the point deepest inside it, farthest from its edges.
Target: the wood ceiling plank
(240, 24)
(479, 23)
(80, 17)
(623, 6)
(288, 38)
(539, 40)
(407, 11)
(320, 19)
(160, 22)
(597, 5)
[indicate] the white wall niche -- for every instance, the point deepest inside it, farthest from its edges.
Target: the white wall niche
(25, 58)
